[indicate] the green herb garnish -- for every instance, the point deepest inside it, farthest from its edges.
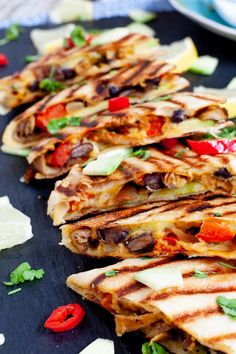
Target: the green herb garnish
(228, 306)
(142, 153)
(217, 214)
(11, 34)
(55, 125)
(78, 36)
(199, 274)
(23, 273)
(153, 348)
(165, 98)
(181, 152)
(146, 257)
(31, 58)
(111, 273)
(225, 133)
(49, 84)
(227, 265)
(14, 291)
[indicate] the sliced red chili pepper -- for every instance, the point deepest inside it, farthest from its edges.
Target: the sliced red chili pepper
(169, 143)
(213, 147)
(171, 239)
(60, 156)
(155, 127)
(65, 318)
(68, 44)
(214, 231)
(118, 103)
(3, 60)
(56, 111)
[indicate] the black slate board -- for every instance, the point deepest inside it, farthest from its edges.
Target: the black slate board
(22, 315)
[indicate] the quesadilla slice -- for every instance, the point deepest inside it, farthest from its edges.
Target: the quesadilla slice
(69, 66)
(202, 307)
(140, 81)
(202, 226)
(156, 175)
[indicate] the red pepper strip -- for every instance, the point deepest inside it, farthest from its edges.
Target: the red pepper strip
(69, 43)
(213, 147)
(65, 318)
(117, 103)
(56, 111)
(169, 143)
(214, 231)
(155, 128)
(171, 239)
(60, 156)
(3, 60)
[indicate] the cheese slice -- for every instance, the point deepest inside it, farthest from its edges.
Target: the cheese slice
(99, 346)
(15, 227)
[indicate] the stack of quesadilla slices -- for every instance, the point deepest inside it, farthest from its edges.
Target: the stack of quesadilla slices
(152, 163)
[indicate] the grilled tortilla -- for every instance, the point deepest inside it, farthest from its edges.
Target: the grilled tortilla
(192, 308)
(155, 229)
(140, 81)
(164, 175)
(71, 66)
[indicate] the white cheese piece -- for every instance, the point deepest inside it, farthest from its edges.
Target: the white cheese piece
(160, 278)
(15, 227)
(100, 346)
(48, 40)
(70, 10)
(2, 339)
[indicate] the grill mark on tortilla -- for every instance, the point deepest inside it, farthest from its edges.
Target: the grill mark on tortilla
(45, 103)
(130, 269)
(221, 337)
(129, 289)
(139, 69)
(201, 206)
(189, 316)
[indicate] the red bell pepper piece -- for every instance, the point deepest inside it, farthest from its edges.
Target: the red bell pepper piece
(169, 143)
(56, 111)
(3, 60)
(155, 127)
(65, 318)
(60, 156)
(213, 147)
(118, 103)
(69, 44)
(171, 239)
(214, 231)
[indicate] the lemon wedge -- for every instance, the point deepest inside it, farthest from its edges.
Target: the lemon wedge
(228, 92)
(71, 10)
(182, 53)
(46, 41)
(15, 227)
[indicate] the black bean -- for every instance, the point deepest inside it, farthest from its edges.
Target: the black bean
(223, 173)
(34, 87)
(179, 116)
(100, 89)
(115, 236)
(141, 243)
(69, 73)
(193, 230)
(113, 90)
(81, 150)
(155, 81)
(153, 181)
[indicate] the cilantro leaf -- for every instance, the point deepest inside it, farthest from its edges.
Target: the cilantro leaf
(153, 348)
(31, 58)
(78, 36)
(111, 273)
(142, 153)
(55, 125)
(24, 273)
(51, 85)
(200, 275)
(11, 34)
(228, 306)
